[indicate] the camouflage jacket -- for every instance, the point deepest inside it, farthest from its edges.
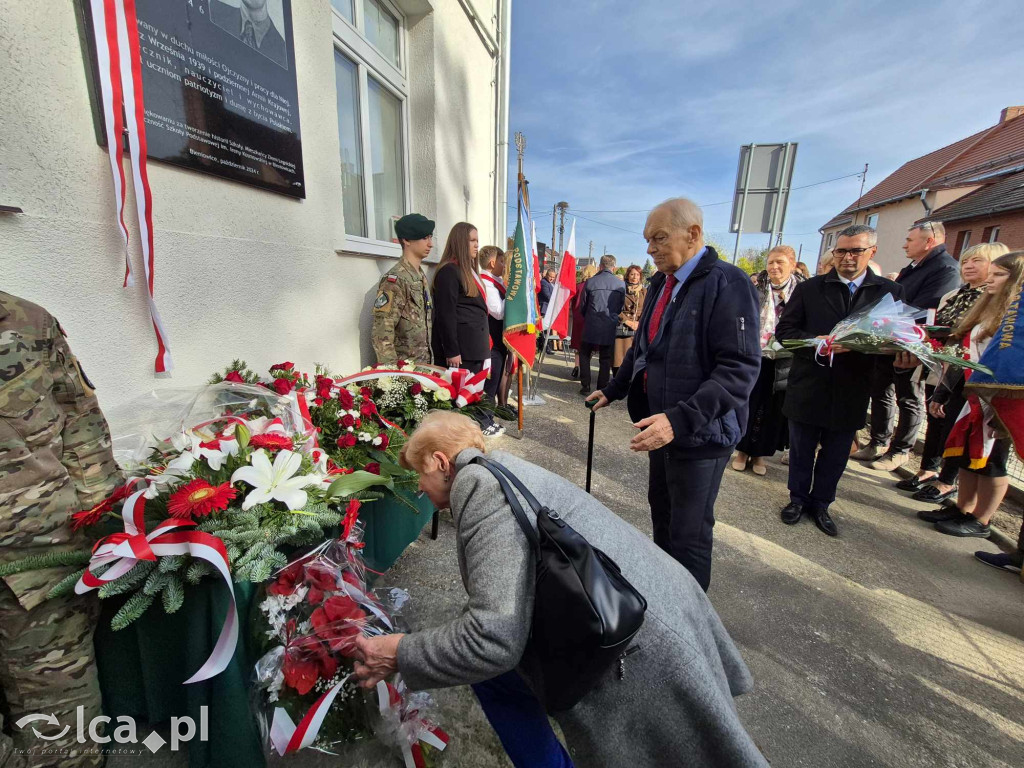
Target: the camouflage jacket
(55, 456)
(402, 316)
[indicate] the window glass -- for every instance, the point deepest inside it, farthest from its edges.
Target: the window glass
(381, 29)
(344, 7)
(346, 77)
(386, 158)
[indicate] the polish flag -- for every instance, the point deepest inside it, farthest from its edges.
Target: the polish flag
(557, 316)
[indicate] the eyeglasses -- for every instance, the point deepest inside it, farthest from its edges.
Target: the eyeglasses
(840, 252)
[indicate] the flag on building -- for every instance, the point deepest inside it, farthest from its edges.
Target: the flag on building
(557, 316)
(521, 315)
(1004, 389)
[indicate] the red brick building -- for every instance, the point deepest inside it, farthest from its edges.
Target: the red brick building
(993, 213)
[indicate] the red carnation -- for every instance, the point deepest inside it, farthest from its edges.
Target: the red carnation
(347, 440)
(282, 367)
(283, 386)
(368, 408)
(235, 376)
(416, 388)
(348, 420)
(401, 364)
(383, 441)
(345, 399)
(366, 392)
(273, 441)
(373, 468)
(198, 498)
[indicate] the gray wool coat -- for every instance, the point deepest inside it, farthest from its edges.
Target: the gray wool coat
(674, 704)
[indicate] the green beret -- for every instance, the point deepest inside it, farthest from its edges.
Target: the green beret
(414, 226)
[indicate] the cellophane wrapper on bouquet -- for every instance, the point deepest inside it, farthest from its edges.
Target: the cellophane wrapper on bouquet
(885, 327)
(305, 630)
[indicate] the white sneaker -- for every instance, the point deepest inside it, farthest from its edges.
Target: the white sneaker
(495, 430)
(785, 456)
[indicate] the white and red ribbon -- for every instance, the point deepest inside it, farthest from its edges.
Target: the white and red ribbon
(288, 737)
(411, 730)
(469, 387)
(122, 551)
(116, 34)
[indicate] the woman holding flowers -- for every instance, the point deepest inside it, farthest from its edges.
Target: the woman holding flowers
(767, 429)
(931, 484)
(669, 703)
(980, 452)
(461, 336)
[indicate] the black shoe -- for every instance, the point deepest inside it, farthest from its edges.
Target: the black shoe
(967, 525)
(913, 483)
(575, 372)
(931, 493)
(586, 390)
(791, 513)
(824, 521)
(1000, 560)
(941, 514)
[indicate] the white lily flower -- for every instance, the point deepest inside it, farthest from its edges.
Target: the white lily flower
(275, 481)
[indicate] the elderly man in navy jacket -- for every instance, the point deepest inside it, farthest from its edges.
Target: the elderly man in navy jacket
(930, 275)
(687, 379)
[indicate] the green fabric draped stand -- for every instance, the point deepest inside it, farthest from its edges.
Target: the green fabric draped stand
(142, 668)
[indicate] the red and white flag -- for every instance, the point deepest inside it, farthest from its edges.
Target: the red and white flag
(556, 317)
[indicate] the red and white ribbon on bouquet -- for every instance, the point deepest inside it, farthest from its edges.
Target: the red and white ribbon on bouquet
(469, 387)
(288, 737)
(122, 551)
(412, 731)
(116, 34)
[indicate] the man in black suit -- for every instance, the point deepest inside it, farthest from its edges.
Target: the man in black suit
(251, 23)
(930, 275)
(827, 401)
(603, 297)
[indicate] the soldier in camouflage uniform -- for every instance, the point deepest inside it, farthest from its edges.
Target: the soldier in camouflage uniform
(55, 459)
(402, 310)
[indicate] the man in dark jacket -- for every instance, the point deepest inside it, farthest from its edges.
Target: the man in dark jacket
(930, 275)
(603, 298)
(687, 379)
(251, 23)
(827, 400)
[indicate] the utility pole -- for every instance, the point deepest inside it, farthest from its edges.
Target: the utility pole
(562, 206)
(863, 178)
(554, 222)
(590, 254)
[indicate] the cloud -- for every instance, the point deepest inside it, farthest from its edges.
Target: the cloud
(625, 104)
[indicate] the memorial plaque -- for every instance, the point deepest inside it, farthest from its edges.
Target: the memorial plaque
(218, 81)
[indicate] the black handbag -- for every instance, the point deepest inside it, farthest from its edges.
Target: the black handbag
(585, 612)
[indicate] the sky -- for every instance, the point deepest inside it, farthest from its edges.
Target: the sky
(625, 103)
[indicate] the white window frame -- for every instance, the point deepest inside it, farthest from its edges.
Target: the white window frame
(872, 220)
(370, 62)
(993, 236)
(966, 242)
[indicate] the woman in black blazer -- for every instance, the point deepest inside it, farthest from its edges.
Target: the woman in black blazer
(461, 335)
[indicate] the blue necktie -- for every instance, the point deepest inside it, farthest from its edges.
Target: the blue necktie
(853, 289)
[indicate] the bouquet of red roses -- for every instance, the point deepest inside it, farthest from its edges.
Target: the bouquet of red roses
(306, 628)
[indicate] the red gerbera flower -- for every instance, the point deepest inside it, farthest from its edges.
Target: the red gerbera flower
(273, 441)
(198, 498)
(93, 515)
(334, 469)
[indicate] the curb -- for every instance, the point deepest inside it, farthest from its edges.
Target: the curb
(1001, 540)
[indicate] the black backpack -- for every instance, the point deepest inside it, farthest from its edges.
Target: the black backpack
(585, 612)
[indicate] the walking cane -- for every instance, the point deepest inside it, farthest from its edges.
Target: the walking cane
(590, 441)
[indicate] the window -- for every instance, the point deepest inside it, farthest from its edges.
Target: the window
(828, 241)
(872, 221)
(372, 101)
(963, 242)
(990, 235)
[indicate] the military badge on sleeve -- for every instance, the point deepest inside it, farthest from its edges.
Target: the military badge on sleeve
(383, 302)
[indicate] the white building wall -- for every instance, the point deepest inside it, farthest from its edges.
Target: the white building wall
(240, 272)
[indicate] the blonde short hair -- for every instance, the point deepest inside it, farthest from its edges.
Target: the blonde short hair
(444, 431)
(987, 251)
(785, 250)
(588, 272)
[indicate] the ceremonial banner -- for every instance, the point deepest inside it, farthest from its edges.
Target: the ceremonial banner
(521, 314)
(1004, 388)
(556, 319)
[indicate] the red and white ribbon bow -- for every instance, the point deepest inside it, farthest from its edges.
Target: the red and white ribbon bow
(123, 550)
(116, 33)
(288, 737)
(469, 387)
(412, 729)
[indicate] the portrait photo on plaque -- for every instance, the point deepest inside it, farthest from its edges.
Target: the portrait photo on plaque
(219, 88)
